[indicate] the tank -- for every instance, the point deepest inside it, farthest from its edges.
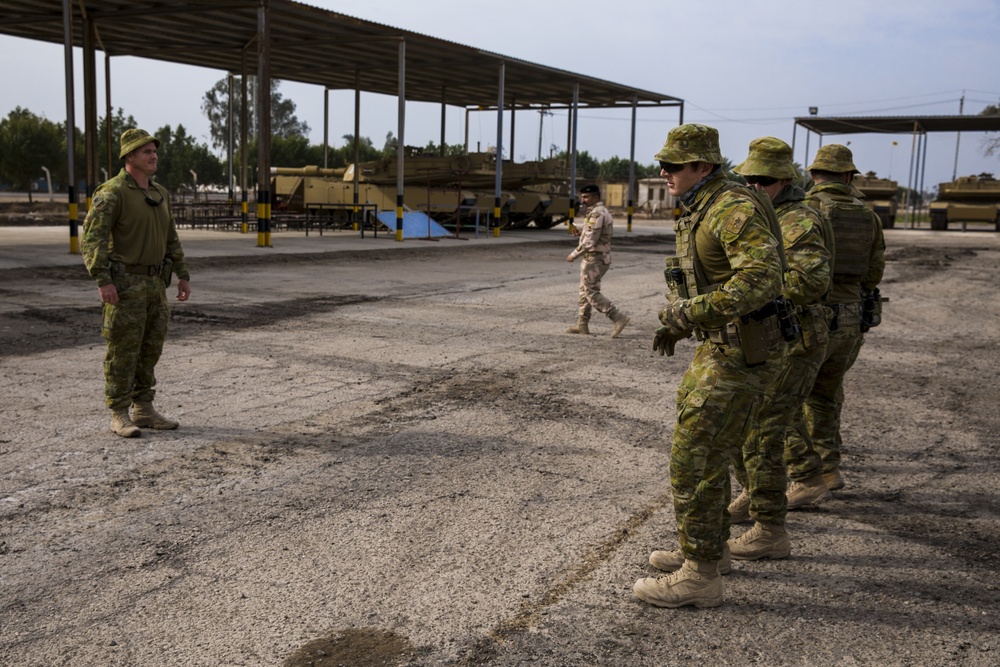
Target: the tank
(451, 189)
(881, 195)
(967, 199)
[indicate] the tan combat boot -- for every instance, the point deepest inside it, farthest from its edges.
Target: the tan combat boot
(669, 561)
(696, 583)
(621, 320)
(834, 480)
(581, 327)
(122, 424)
(739, 509)
(144, 414)
(764, 540)
(808, 493)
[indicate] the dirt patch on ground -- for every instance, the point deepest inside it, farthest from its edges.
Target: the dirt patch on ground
(399, 459)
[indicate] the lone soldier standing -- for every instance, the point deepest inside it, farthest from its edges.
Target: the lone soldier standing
(859, 261)
(807, 238)
(727, 273)
(131, 248)
(595, 246)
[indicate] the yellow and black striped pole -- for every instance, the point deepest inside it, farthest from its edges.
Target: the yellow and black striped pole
(399, 216)
(263, 218)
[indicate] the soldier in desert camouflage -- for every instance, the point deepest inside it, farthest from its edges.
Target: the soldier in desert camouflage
(131, 248)
(595, 247)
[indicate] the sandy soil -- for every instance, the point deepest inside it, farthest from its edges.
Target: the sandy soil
(400, 459)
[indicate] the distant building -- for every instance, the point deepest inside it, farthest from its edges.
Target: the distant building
(654, 198)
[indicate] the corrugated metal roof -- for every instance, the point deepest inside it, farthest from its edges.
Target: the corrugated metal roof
(316, 46)
(898, 124)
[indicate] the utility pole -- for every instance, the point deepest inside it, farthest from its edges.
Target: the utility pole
(542, 113)
(958, 138)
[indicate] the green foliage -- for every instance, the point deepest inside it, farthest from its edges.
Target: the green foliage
(215, 106)
(179, 155)
(119, 123)
(28, 143)
(991, 145)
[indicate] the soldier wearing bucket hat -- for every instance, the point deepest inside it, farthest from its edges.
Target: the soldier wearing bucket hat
(760, 470)
(131, 248)
(728, 269)
(859, 260)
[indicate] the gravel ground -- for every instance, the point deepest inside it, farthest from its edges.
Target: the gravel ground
(400, 459)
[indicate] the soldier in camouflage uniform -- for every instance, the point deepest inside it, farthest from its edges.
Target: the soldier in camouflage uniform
(131, 248)
(857, 270)
(806, 237)
(727, 271)
(595, 246)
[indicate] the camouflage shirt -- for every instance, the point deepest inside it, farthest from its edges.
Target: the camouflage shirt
(122, 227)
(598, 228)
(805, 232)
(735, 250)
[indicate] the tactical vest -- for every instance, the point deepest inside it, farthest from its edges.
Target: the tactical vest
(853, 234)
(685, 229)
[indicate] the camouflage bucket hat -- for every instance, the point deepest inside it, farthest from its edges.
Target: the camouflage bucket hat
(834, 158)
(768, 157)
(132, 139)
(691, 143)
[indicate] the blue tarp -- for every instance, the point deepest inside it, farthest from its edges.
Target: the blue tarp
(416, 225)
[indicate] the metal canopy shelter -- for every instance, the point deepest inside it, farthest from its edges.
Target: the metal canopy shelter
(918, 126)
(297, 42)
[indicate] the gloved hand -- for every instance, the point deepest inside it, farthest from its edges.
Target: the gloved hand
(674, 317)
(664, 341)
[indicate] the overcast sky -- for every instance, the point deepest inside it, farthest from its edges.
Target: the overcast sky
(747, 67)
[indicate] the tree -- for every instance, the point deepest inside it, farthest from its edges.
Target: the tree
(119, 123)
(179, 155)
(991, 145)
(587, 167)
(28, 143)
(215, 105)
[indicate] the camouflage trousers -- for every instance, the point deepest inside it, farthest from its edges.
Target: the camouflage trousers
(801, 459)
(717, 402)
(821, 409)
(135, 329)
(760, 469)
(592, 269)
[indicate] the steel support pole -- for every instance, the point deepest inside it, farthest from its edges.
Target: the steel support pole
(631, 166)
(74, 233)
(400, 149)
(499, 167)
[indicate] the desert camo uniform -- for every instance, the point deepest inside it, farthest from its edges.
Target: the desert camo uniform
(595, 248)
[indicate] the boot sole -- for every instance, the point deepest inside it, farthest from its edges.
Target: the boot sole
(773, 555)
(154, 426)
(700, 604)
(810, 504)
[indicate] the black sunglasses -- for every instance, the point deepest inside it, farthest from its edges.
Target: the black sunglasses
(150, 200)
(761, 180)
(670, 167)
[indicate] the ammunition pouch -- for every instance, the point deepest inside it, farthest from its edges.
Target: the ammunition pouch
(166, 271)
(815, 325)
(674, 277)
(751, 333)
(871, 309)
(845, 315)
